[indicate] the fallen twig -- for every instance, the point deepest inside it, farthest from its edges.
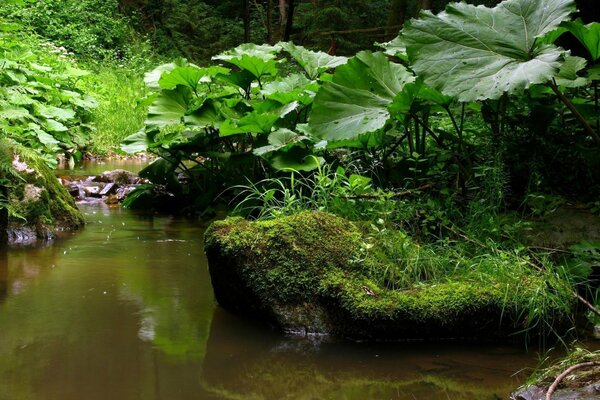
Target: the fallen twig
(562, 376)
(588, 304)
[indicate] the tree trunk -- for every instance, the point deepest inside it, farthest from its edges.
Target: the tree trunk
(423, 5)
(396, 17)
(269, 23)
(289, 25)
(246, 8)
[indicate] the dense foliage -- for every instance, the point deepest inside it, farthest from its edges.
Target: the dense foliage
(90, 28)
(40, 104)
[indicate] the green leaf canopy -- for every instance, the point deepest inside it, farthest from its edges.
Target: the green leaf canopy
(588, 35)
(356, 101)
(478, 53)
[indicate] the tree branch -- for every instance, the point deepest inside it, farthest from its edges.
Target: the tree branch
(569, 370)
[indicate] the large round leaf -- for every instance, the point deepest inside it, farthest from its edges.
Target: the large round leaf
(478, 53)
(313, 62)
(356, 100)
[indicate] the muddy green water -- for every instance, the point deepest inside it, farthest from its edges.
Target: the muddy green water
(124, 310)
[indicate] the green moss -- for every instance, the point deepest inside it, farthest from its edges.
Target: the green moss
(286, 256)
(36, 197)
(318, 258)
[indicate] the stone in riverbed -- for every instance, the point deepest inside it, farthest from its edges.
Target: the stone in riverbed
(119, 176)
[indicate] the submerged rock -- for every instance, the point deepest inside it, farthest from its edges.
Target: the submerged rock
(37, 206)
(304, 274)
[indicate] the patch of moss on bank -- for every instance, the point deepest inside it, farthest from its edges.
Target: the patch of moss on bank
(35, 199)
(308, 272)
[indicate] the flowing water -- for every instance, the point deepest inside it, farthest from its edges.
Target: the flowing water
(124, 310)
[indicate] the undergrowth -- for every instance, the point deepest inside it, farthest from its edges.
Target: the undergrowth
(117, 87)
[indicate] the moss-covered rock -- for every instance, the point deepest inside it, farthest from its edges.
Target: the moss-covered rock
(306, 273)
(35, 204)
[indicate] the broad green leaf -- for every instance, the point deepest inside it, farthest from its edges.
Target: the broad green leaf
(552, 36)
(313, 62)
(86, 102)
(261, 120)
(242, 79)
(187, 76)
(356, 100)
(54, 126)
(264, 52)
(434, 96)
(296, 159)
(257, 66)
(151, 78)
(58, 113)
(395, 48)
(13, 113)
(204, 116)
(169, 108)
(259, 60)
(477, 53)
(253, 122)
(46, 138)
(294, 87)
(19, 99)
(280, 140)
(568, 74)
(136, 142)
(588, 35)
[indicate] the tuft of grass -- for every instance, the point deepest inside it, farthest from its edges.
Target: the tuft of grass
(118, 89)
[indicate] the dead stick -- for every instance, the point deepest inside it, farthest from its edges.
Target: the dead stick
(560, 377)
(588, 304)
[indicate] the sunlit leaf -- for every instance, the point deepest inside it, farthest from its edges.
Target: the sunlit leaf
(568, 74)
(478, 53)
(136, 142)
(169, 108)
(313, 62)
(356, 100)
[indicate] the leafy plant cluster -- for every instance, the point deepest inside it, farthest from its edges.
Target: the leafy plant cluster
(220, 125)
(417, 112)
(90, 28)
(40, 104)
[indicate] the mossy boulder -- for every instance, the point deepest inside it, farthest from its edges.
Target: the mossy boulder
(306, 274)
(36, 206)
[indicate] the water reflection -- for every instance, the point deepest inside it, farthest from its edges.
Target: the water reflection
(3, 274)
(124, 310)
(261, 364)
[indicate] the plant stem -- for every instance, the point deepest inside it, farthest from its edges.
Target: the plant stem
(588, 128)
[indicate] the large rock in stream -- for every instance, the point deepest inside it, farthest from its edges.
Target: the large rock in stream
(36, 206)
(304, 274)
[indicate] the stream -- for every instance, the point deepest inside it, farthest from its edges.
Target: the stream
(124, 310)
